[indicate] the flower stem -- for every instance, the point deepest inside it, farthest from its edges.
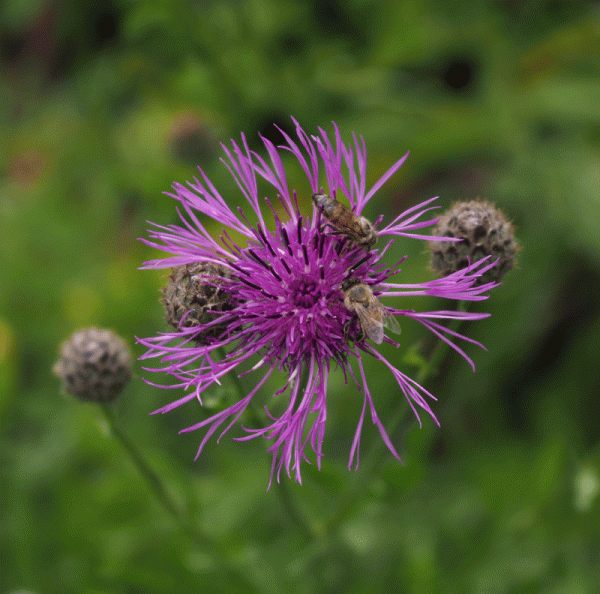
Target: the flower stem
(211, 547)
(305, 530)
(437, 351)
(288, 502)
(435, 356)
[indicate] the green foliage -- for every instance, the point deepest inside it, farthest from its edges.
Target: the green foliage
(103, 106)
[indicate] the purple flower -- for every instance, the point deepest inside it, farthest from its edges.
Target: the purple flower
(287, 310)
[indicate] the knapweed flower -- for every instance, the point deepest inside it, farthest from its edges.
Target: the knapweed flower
(284, 284)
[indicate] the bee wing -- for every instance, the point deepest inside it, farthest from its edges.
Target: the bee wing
(350, 227)
(391, 323)
(371, 324)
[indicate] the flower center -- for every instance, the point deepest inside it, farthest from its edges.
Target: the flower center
(304, 292)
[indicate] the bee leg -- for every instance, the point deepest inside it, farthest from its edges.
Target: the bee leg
(358, 337)
(361, 335)
(344, 244)
(346, 332)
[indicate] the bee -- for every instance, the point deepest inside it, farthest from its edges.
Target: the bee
(358, 229)
(372, 315)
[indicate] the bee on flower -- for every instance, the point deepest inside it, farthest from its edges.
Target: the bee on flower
(295, 291)
(359, 230)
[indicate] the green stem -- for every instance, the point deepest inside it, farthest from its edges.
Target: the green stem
(211, 547)
(435, 355)
(288, 502)
(254, 414)
(439, 349)
(293, 512)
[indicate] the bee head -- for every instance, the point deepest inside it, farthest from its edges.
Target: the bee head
(348, 283)
(320, 199)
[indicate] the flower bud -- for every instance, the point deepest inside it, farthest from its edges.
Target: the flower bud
(484, 231)
(94, 365)
(195, 290)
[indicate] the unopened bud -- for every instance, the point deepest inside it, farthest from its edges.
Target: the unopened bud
(94, 365)
(195, 290)
(484, 231)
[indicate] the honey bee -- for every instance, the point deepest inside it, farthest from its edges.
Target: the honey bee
(358, 229)
(372, 315)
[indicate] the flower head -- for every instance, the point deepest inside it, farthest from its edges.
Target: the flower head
(193, 297)
(286, 307)
(94, 365)
(484, 231)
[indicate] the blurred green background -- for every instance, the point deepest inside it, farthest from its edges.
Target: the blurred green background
(104, 105)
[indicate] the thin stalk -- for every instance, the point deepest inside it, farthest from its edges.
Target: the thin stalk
(211, 547)
(293, 512)
(288, 501)
(436, 353)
